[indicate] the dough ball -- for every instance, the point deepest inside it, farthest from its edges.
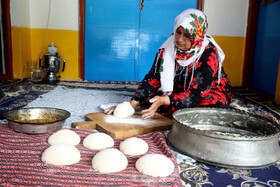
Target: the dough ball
(97, 141)
(124, 110)
(155, 165)
(109, 161)
(61, 154)
(134, 146)
(64, 136)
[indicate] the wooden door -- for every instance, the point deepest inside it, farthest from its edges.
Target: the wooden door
(123, 36)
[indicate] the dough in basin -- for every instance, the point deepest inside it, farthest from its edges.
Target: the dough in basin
(109, 160)
(61, 154)
(155, 165)
(134, 146)
(124, 110)
(98, 141)
(65, 136)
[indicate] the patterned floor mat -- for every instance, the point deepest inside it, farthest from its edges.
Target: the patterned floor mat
(4, 83)
(255, 98)
(192, 173)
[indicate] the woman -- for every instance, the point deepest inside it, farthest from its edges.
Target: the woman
(187, 68)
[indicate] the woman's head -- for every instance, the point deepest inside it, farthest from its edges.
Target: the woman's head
(186, 47)
(182, 39)
(190, 28)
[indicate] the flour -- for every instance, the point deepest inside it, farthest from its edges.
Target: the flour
(130, 120)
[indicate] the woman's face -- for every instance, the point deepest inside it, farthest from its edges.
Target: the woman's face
(182, 40)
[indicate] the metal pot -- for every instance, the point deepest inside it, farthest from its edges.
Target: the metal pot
(36, 120)
(225, 137)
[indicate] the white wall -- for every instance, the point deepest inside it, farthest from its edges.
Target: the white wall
(64, 14)
(20, 13)
(230, 20)
(226, 17)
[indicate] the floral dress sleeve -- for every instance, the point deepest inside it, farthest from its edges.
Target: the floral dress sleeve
(202, 86)
(151, 82)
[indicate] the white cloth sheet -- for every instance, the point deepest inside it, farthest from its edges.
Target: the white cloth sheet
(79, 102)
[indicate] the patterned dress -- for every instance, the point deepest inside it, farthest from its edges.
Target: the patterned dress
(191, 88)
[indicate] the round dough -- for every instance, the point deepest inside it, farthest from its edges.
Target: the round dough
(97, 141)
(61, 154)
(64, 136)
(109, 161)
(124, 110)
(155, 165)
(134, 146)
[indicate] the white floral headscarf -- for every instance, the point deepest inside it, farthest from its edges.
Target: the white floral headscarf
(195, 24)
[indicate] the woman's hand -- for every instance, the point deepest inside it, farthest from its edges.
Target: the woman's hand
(134, 104)
(157, 102)
(110, 110)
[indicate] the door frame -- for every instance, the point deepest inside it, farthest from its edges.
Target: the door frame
(251, 32)
(82, 35)
(6, 23)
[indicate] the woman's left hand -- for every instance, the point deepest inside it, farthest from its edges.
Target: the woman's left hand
(156, 101)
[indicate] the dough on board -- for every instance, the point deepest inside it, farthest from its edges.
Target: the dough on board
(98, 141)
(61, 154)
(124, 110)
(155, 165)
(109, 160)
(65, 136)
(134, 146)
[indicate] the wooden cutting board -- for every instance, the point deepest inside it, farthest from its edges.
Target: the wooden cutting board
(123, 128)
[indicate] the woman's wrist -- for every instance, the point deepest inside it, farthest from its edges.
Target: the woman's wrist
(165, 100)
(134, 103)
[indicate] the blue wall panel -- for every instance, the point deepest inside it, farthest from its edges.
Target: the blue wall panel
(121, 40)
(111, 34)
(267, 48)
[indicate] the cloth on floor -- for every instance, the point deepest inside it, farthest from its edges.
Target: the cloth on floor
(79, 102)
(20, 161)
(192, 173)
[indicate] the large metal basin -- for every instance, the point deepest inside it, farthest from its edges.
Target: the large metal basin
(225, 137)
(36, 120)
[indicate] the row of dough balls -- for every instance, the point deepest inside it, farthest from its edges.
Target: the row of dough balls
(63, 152)
(97, 141)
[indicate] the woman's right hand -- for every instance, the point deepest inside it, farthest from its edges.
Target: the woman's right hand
(110, 110)
(134, 103)
(156, 101)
